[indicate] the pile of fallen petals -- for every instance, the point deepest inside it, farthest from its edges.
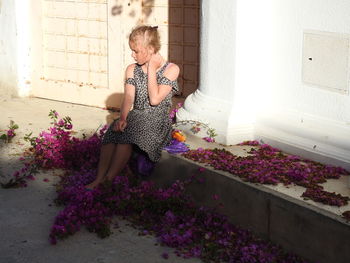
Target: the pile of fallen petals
(268, 165)
(167, 213)
(319, 195)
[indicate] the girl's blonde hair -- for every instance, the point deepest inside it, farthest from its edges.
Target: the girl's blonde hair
(150, 36)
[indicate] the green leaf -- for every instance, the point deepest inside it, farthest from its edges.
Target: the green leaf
(27, 136)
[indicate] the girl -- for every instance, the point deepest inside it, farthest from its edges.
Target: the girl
(149, 86)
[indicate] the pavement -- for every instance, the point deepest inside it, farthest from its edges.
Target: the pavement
(26, 214)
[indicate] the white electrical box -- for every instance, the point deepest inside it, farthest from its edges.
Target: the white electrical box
(326, 60)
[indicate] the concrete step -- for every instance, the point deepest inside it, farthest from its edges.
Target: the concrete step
(302, 227)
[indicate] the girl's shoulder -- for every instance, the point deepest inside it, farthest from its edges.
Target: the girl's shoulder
(171, 71)
(172, 66)
(129, 72)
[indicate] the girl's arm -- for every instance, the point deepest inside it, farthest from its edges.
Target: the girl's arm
(128, 100)
(157, 93)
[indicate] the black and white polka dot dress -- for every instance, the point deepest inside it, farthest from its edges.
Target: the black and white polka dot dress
(148, 127)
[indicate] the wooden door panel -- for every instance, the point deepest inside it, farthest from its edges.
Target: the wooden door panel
(75, 52)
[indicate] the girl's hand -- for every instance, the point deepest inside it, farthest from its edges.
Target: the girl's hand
(156, 61)
(120, 125)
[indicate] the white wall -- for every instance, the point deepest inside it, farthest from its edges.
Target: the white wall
(269, 73)
(289, 19)
(8, 49)
(18, 44)
(217, 48)
(212, 102)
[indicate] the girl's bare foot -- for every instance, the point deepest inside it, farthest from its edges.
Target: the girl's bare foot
(92, 185)
(109, 179)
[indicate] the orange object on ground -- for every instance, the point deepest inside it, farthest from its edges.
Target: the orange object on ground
(178, 135)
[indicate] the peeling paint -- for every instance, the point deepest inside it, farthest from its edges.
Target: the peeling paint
(80, 84)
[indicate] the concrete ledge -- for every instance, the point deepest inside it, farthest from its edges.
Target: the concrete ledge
(288, 147)
(313, 137)
(299, 227)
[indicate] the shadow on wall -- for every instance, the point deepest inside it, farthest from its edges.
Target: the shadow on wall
(113, 110)
(117, 8)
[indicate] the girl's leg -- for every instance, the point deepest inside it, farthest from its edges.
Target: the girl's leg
(120, 158)
(107, 152)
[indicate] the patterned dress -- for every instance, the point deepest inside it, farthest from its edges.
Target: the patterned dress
(148, 127)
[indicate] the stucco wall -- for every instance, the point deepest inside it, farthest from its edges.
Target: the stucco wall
(289, 19)
(8, 49)
(269, 71)
(269, 53)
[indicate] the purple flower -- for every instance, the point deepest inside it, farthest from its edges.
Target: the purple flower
(208, 139)
(68, 126)
(10, 133)
(60, 123)
(165, 255)
(215, 197)
(195, 129)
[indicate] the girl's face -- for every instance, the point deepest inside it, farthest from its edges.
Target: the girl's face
(139, 52)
